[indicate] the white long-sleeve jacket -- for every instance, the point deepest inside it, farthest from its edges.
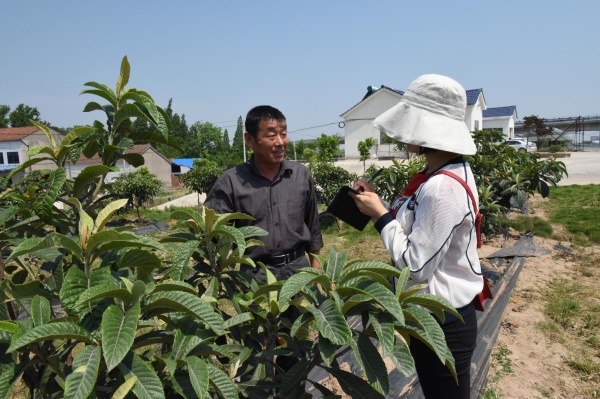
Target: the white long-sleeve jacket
(434, 234)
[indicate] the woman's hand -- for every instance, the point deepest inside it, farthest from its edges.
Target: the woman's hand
(363, 185)
(369, 203)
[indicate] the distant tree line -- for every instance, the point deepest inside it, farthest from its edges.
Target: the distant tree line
(200, 140)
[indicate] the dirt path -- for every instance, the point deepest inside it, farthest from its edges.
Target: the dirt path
(538, 360)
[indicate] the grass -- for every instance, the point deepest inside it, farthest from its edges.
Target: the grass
(526, 224)
(578, 209)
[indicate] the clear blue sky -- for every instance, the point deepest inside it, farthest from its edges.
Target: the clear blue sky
(311, 59)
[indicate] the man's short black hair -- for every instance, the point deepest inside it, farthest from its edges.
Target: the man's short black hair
(261, 113)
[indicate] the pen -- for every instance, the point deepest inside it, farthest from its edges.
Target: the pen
(374, 175)
(361, 188)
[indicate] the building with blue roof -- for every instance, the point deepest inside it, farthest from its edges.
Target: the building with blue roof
(377, 100)
(501, 118)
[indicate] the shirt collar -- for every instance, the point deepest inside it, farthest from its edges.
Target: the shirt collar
(286, 167)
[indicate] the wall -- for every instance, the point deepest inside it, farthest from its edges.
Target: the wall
(507, 124)
(474, 113)
(157, 165)
(369, 109)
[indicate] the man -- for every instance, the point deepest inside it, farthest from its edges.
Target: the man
(278, 193)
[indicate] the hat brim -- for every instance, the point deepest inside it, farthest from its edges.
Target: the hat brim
(412, 125)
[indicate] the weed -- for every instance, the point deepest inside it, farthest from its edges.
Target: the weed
(577, 208)
(502, 357)
(490, 393)
(526, 224)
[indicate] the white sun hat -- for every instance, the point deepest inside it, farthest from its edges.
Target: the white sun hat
(430, 114)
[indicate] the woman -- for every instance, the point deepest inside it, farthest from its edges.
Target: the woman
(430, 228)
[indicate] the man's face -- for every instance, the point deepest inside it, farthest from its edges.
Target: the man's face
(271, 143)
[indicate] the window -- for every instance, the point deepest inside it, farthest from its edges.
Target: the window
(12, 157)
(1, 158)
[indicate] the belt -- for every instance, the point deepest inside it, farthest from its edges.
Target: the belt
(281, 258)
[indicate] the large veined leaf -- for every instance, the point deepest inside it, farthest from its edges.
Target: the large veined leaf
(118, 332)
(233, 234)
(188, 303)
(40, 310)
(144, 102)
(183, 344)
(52, 240)
(363, 267)
(294, 376)
(93, 106)
(104, 291)
(175, 286)
(292, 286)
(87, 175)
(9, 326)
(102, 91)
(435, 304)
(123, 76)
(86, 223)
(9, 378)
(402, 358)
(33, 151)
(252, 231)
(148, 385)
(10, 291)
(76, 283)
(181, 259)
(142, 262)
(46, 131)
(331, 323)
(75, 133)
(198, 371)
(107, 212)
(8, 213)
(107, 240)
(124, 389)
(80, 383)
(384, 297)
(125, 112)
(327, 350)
(222, 383)
(135, 160)
(27, 164)
(431, 330)
(354, 386)
(371, 362)
(383, 325)
(43, 207)
(227, 217)
(402, 281)
(61, 330)
(238, 319)
(335, 266)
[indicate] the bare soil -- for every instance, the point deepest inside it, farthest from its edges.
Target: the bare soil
(538, 360)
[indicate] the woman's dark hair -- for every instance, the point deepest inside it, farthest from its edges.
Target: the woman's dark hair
(260, 113)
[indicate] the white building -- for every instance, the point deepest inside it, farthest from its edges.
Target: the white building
(501, 118)
(358, 119)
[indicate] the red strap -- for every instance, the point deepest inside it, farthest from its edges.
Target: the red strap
(477, 214)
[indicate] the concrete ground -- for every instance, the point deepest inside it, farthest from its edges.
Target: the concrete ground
(583, 168)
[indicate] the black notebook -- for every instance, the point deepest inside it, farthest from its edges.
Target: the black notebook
(343, 207)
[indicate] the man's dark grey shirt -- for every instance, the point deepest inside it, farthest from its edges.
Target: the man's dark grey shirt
(285, 207)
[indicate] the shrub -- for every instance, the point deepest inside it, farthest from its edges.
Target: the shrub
(202, 176)
(138, 187)
(328, 180)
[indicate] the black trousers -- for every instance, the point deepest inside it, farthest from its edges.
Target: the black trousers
(436, 380)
